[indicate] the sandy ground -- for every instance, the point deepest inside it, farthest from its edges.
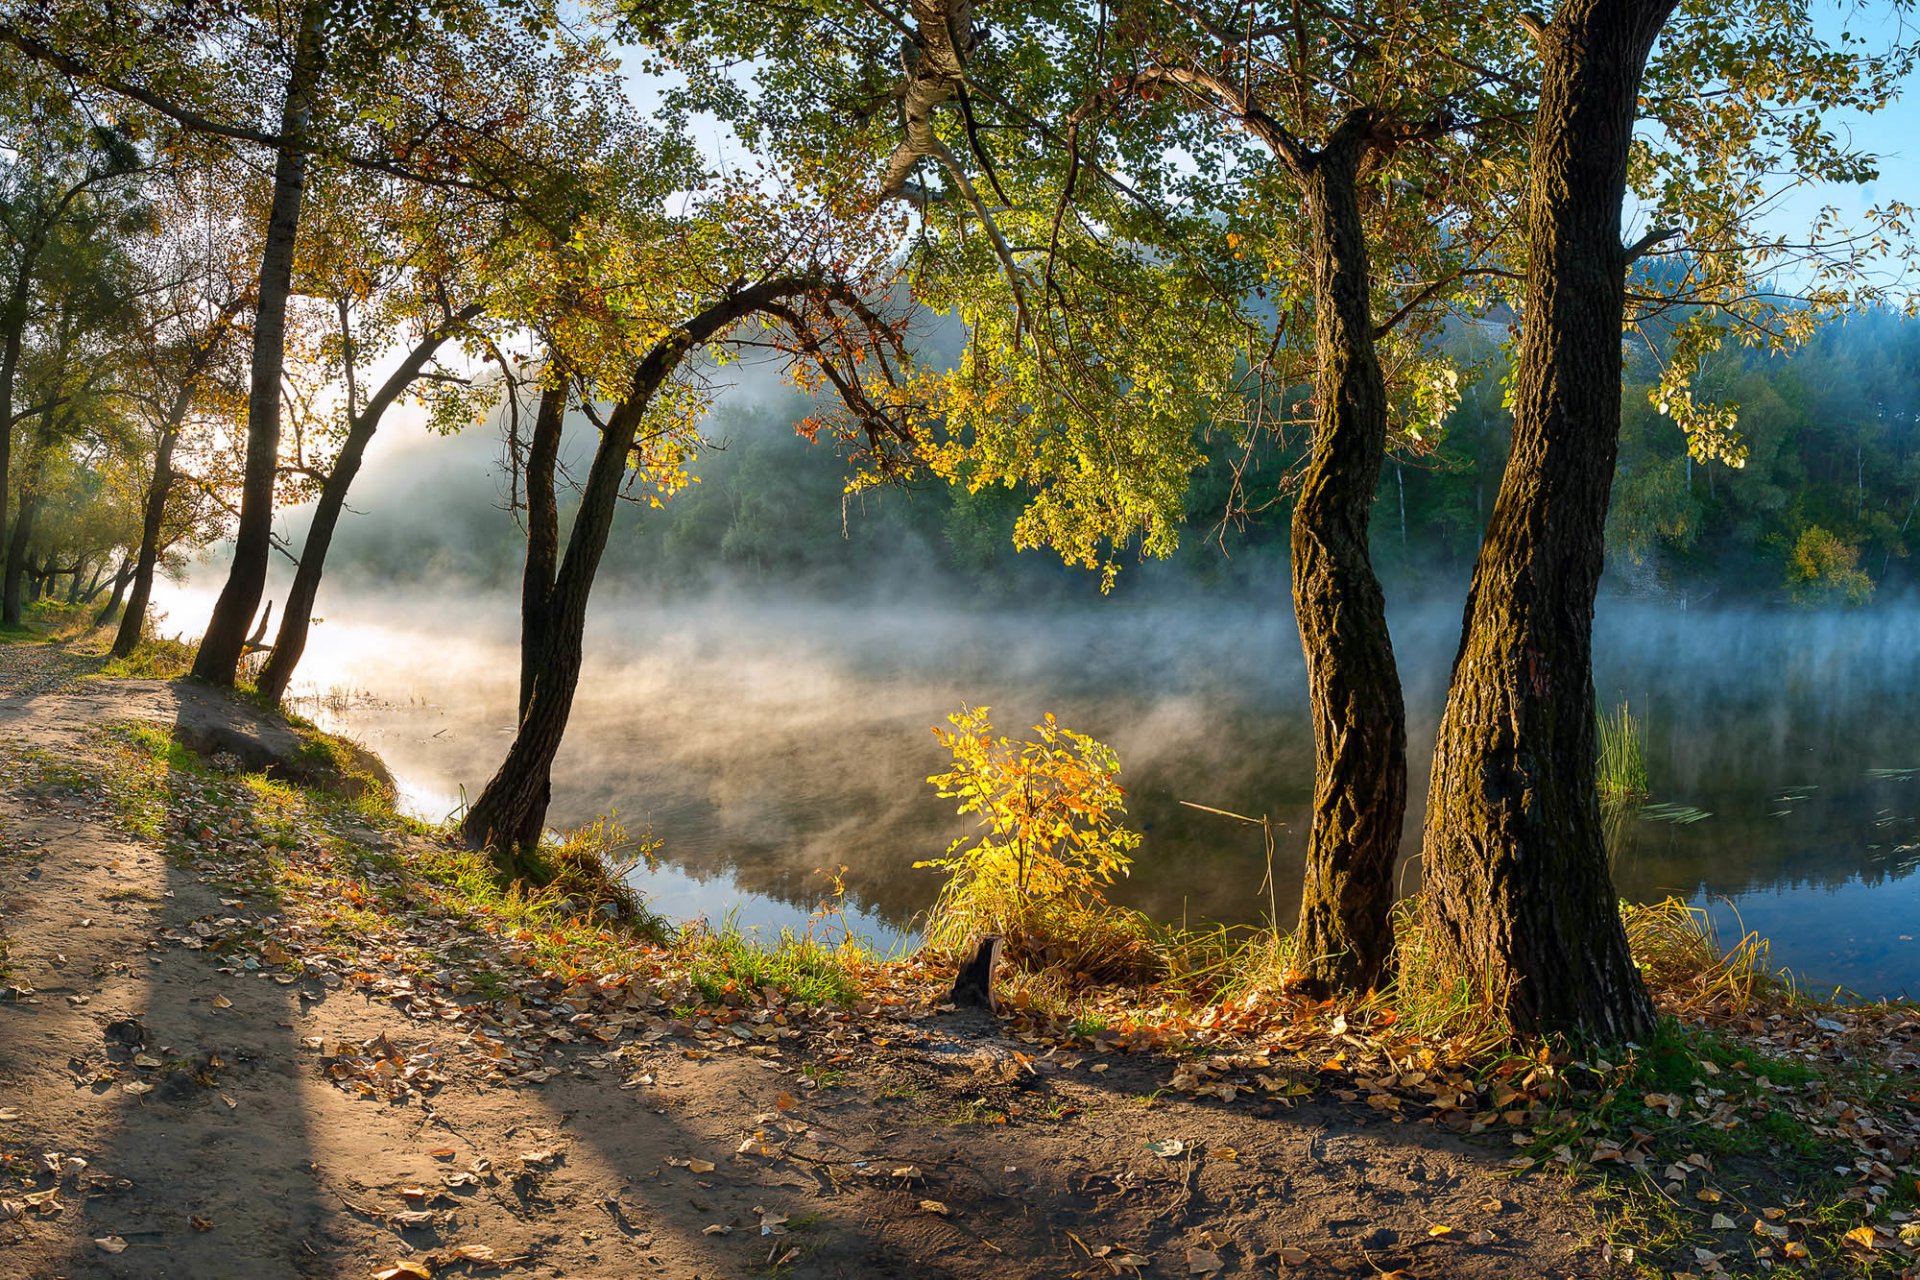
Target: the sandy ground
(927, 1150)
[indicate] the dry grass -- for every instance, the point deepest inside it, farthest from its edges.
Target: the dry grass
(1693, 973)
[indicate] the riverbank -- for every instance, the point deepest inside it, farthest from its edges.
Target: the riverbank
(287, 1032)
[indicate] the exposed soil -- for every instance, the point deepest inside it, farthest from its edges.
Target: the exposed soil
(928, 1148)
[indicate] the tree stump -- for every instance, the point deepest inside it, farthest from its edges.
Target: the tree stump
(973, 985)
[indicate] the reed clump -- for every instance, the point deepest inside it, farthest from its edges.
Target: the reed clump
(1621, 770)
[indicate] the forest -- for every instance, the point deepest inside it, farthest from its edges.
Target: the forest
(1482, 441)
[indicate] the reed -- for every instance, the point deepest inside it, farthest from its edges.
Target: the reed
(1622, 766)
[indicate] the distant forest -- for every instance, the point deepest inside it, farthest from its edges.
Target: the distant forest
(1822, 513)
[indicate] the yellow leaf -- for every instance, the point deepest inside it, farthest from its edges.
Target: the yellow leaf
(221, 1002)
(1439, 1230)
(1865, 1237)
(935, 1206)
(404, 1269)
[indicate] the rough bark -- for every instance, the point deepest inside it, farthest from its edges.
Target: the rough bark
(297, 618)
(218, 659)
(1518, 897)
(1359, 723)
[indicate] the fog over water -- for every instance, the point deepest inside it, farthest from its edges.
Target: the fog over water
(764, 740)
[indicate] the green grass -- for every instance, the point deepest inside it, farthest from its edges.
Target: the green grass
(1621, 770)
(729, 965)
(154, 658)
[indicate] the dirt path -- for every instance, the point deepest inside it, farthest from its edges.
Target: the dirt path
(221, 1136)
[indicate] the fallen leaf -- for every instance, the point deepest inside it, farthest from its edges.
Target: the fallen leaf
(1224, 1153)
(441, 1153)
(935, 1206)
(1293, 1257)
(1202, 1262)
(784, 1102)
(1440, 1229)
(472, 1253)
(111, 1244)
(1865, 1237)
(1721, 1222)
(1166, 1148)
(198, 1223)
(402, 1269)
(137, 1087)
(698, 1165)
(716, 1229)
(221, 1002)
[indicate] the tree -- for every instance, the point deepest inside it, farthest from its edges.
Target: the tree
(63, 180)
(1371, 145)
(341, 93)
(1106, 315)
(1518, 896)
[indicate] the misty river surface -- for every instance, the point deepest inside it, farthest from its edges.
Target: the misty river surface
(766, 743)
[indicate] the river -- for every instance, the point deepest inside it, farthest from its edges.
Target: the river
(766, 743)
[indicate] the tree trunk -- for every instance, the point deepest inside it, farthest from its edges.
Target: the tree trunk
(121, 577)
(1359, 723)
(543, 536)
(1519, 902)
(160, 487)
(510, 813)
(297, 618)
(10, 344)
(134, 621)
(11, 610)
(218, 660)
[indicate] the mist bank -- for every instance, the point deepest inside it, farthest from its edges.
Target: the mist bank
(767, 740)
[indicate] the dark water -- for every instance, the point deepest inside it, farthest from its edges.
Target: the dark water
(765, 744)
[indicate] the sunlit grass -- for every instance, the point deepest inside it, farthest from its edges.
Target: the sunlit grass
(154, 658)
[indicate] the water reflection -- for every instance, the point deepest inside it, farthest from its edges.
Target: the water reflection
(766, 743)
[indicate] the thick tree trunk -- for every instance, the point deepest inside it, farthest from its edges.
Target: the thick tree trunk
(218, 660)
(1359, 723)
(1518, 897)
(297, 618)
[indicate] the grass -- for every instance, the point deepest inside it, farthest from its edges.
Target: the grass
(1622, 765)
(729, 966)
(154, 658)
